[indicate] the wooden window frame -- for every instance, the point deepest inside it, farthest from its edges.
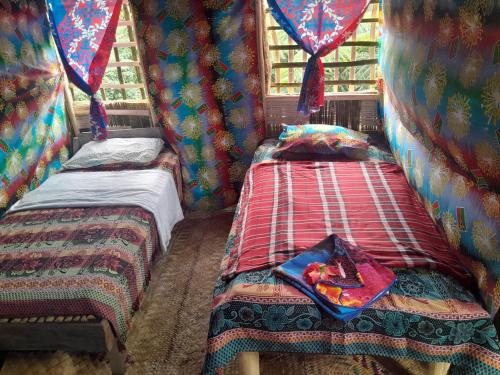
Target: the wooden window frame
(267, 66)
(139, 107)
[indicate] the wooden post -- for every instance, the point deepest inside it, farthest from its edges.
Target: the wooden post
(68, 98)
(154, 118)
(249, 363)
(262, 63)
(68, 101)
(438, 368)
(117, 359)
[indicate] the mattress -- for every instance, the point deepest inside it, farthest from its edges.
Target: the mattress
(428, 316)
(166, 160)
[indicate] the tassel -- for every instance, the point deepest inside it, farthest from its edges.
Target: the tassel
(98, 119)
(313, 87)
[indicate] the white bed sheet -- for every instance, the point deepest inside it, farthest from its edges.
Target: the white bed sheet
(154, 190)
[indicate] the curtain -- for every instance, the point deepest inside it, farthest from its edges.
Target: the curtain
(318, 27)
(84, 31)
(440, 64)
(33, 133)
(200, 59)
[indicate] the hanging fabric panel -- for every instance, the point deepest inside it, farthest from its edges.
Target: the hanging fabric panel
(200, 59)
(318, 27)
(33, 133)
(84, 31)
(441, 67)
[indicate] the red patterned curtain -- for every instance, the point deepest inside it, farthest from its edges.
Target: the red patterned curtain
(318, 26)
(84, 31)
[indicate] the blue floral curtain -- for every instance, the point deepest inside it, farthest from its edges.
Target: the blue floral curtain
(200, 59)
(84, 31)
(318, 27)
(440, 62)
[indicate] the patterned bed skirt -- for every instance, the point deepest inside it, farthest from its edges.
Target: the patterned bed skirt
(427, 317)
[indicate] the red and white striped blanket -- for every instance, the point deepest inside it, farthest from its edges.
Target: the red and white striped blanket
(286, 207)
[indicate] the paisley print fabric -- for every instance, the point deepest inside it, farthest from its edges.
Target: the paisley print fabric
(426, 317)
(442, 121)
(200, 59)
(33, 134)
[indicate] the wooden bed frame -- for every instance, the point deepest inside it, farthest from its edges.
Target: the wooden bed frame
(249, 365)
(71, 333)
(67, 333)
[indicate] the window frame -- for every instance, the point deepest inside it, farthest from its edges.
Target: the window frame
(266, 65)
(138, 107)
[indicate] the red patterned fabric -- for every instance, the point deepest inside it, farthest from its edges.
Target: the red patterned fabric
(318, 27)
(84, 31)
(77, 261)
(287, 207)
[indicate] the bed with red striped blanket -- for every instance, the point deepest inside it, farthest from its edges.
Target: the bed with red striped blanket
(290, 206)
(286, 207)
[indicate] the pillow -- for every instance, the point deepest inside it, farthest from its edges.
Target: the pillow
(115, 150)
(317, 142)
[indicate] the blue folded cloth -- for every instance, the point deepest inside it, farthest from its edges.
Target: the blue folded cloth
(340, 278)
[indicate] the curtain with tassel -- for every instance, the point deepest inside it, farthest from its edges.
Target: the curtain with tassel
(318, 27)
(84, 31)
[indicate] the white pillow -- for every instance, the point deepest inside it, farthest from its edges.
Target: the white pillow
(115, 150)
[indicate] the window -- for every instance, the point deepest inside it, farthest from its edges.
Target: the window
(350, 68)
(122, 90)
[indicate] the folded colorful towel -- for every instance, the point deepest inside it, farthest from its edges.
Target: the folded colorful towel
(338, 276)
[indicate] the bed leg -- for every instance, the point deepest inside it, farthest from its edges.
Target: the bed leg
(117, 360)
(249, 363)
(115, 357)
(439, 368)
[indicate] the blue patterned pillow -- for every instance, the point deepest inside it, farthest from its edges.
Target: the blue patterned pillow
(317, 141)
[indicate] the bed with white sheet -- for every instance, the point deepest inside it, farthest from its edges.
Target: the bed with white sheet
(80, 248)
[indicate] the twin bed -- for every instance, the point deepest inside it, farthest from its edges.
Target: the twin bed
(286, 206)
(76, 254)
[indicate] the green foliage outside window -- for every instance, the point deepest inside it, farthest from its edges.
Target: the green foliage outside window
(366, 32)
